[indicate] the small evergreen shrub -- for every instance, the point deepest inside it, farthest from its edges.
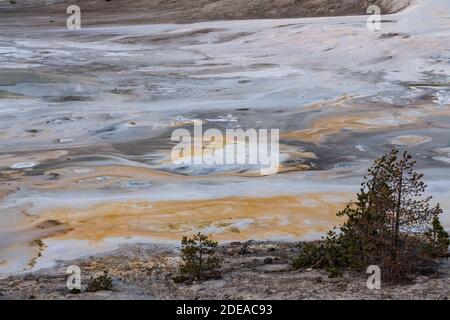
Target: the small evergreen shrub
(439, 239)
(391, 225)
(75, 291)
(102, 282)
(198, 258)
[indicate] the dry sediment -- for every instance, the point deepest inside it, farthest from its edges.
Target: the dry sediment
(263, 272)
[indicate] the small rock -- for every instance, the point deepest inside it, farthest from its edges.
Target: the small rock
(317, 279)
(268, 260)
(28, 277)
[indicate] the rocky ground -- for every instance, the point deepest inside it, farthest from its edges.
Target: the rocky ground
(186, 11)
(251, 270)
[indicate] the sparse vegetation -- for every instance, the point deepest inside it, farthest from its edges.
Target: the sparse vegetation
(198, 258)
(439, 239)
(102, 282)
(75, 291)
(391, 225)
